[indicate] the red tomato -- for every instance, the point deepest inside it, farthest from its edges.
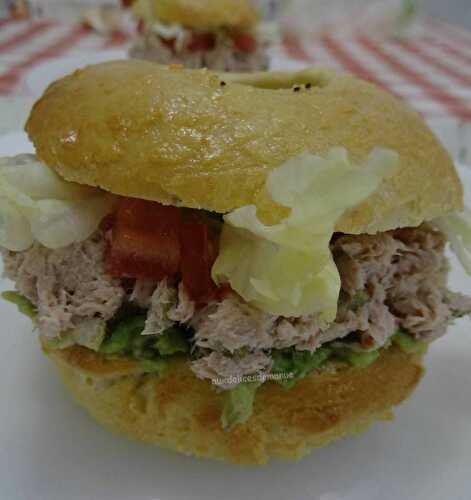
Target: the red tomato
(141, 25)
(168, 42)
(202, 41)
(152, 241)
(198, 256)
(245, 42)
(145, 241)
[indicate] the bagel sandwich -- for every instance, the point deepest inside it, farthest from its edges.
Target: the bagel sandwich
(236, 267)
(222, 35)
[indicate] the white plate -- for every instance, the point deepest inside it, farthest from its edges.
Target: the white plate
(51, 450)
(38, 79)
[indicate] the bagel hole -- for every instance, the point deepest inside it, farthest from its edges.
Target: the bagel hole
(297, 82)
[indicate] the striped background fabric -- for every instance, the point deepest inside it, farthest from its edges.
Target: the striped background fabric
(24, 45)
(431, 70)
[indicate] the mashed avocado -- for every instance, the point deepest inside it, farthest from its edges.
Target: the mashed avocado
(24, 305)
(408, 343)
(238, 404)
(122, 336)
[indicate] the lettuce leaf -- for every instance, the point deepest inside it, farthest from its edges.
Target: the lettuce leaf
(238, 404)
(145, 10)
(37, 181)
(57, 223)
(287, 269)
(36, 204)
(457, 228)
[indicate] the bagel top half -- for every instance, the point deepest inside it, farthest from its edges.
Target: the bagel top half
(198, 139)
(205, 14)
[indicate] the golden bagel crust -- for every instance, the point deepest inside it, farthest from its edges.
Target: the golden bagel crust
(207, 14)
(177, 136)
(182, 413)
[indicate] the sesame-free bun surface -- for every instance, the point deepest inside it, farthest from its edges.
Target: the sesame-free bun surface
(180, 137)
(206, 14)
(182, 413)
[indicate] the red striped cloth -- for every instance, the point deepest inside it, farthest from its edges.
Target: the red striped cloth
(432, 70)
(24, 45)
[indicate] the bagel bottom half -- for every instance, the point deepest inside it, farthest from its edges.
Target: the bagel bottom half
(180, 412)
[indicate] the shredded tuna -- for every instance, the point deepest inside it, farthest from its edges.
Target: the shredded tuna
(68, 285)
(163, 300)
(166, 305)
(184, 309)
(426, 314)
(403, 274)
(389, 280)
(142, 291)
(459, 304)
(227, 371)
(347, 321)
(224, 56)
(232, 324)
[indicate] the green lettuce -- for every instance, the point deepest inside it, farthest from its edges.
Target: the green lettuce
(36, 204)
(287, 269)
(24, 305)
(457, 228)
(238, 404)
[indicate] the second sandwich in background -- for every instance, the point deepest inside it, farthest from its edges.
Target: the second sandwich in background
(223, 35)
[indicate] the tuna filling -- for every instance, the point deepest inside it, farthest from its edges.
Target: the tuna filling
(214, 51)
(393, 281)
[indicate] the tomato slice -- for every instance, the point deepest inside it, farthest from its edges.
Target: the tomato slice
(141, 26)
(168, 42)
(244, 42)
(198, 255)
(202, 41)
(148, 240)
(145, 241)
